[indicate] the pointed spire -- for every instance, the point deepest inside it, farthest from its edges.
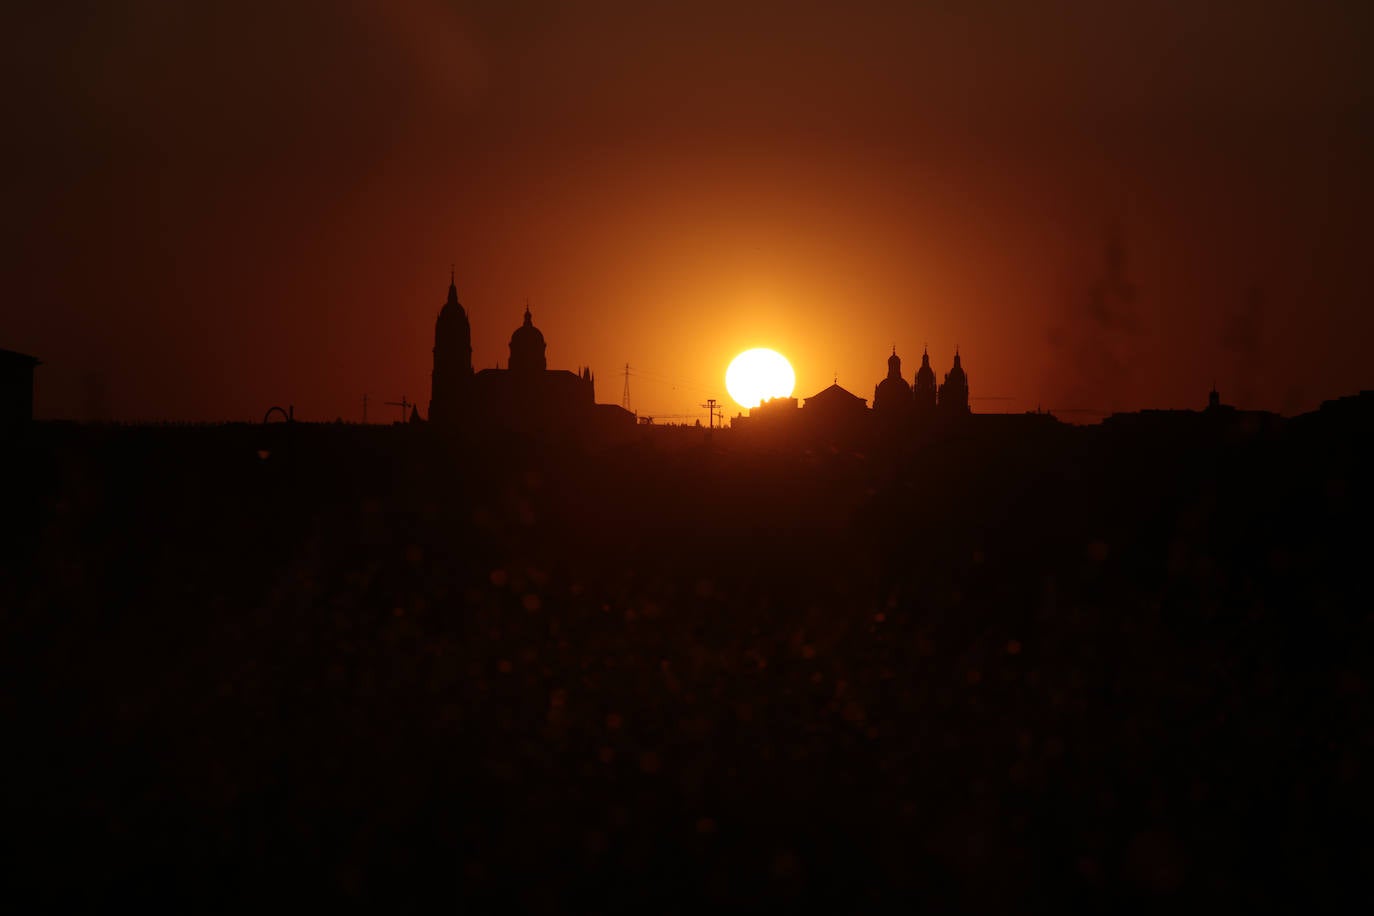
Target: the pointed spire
(528, 319)
(452, 289)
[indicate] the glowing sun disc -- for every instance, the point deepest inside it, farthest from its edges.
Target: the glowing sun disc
(758, 374)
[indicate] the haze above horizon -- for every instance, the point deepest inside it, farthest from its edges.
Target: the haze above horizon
(220, 207)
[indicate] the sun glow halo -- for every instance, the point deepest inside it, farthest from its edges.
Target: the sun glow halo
(758, 374)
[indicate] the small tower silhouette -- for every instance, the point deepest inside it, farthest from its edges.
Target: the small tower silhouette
(954, 391)
(925, 388)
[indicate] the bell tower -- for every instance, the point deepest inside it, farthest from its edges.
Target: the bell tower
(452, 376)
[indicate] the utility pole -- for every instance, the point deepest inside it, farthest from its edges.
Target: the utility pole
(710, 406)
(625, 397)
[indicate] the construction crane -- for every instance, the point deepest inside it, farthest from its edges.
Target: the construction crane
(403, 404)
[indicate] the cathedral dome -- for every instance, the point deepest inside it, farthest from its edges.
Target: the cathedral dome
(527, 347)
(892, 392)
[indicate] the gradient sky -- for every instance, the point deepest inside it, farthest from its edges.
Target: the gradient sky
(216, 207)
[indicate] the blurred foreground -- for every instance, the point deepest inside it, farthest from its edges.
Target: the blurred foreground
(367, 664)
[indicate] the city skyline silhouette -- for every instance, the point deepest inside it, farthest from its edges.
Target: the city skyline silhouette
(1114, 214)
(549, 458)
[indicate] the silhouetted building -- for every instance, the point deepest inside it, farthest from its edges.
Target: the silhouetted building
(16, 388)
(451, 380)
(773, 415)
(1217, 419)
(526, 395)
(835, 414)
(835, 402)
(924, 393)
(774, 408)
(891, 396)
(954, 392)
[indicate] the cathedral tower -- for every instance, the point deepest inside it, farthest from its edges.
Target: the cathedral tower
(925, 384)
(954, 392)
(451, 380)
(892, 395)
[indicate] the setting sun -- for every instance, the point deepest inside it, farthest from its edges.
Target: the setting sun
(759, 374)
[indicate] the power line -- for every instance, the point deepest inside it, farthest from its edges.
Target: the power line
(674, 382)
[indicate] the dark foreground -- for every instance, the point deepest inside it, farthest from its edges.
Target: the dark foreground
(371, 667)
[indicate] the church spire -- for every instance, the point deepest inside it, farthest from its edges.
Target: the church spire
(452, 288)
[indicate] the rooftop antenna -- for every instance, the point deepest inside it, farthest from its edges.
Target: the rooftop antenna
(625, 395)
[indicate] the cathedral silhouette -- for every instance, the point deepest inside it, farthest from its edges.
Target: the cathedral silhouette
(894, 397)
(525, 396)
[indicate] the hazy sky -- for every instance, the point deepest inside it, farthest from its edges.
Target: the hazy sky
(216, 207)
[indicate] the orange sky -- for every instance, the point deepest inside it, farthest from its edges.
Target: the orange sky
(218, 208)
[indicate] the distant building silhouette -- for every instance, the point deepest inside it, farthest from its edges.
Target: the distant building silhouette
(891, 397)
(16, 388)
(898, 410)
(835, 402)
(526, 395)
(451, 380)
(1217, 418)
(924, 395)
(954, 392)
(835, 414)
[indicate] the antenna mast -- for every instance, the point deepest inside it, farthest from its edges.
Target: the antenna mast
(625, 396)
